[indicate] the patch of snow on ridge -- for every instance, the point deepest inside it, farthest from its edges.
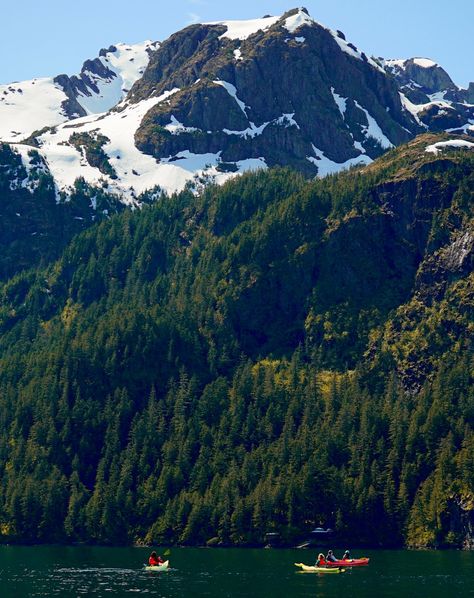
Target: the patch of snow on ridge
(175, 127)
(29, 106)
(415, 109)
(327, 166)
(193, 162)
(459, 144)
(347, 48)
(244, 29)
(297, 20)
(130, 61)
(127, 63)
(287, 120)
(251, 131)
(232, 91)
(425, 63)
(395, 62)
(251, 164)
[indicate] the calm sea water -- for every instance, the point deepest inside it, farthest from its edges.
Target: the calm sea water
(99, 572)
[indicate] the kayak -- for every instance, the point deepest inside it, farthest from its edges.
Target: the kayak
(162, 567)
(314, 569)
(349, 563)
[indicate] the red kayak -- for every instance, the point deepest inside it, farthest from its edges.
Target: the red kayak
(348, 563)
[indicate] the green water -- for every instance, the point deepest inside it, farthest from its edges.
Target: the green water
(217, 573)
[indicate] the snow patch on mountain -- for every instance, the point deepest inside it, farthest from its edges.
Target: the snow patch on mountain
(126, 64)
(340, 101)
(454, 144)
(176, 128)
(351, 50)
(28, 106)
(244, 29)
(327, 166)
(425, 63)
(415, 109)
(287, 120)
(252, 131)
(297, 20)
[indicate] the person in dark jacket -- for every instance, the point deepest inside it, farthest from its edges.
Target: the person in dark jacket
(330, 556)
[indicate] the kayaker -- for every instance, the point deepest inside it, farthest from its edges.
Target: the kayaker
(346, 556)
(321, 561)
(155, 560)
(330, 556)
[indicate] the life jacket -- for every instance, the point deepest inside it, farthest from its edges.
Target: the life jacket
(154, 562)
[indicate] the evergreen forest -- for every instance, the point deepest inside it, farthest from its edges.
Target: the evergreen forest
(267, 356)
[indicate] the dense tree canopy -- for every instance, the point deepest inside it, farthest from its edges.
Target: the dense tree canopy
(266, 356)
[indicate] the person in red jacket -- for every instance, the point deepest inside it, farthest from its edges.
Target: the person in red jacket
(155, 560)
(321, 561)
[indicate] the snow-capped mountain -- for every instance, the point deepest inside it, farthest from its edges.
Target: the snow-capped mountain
(28, 106)
(216, 99)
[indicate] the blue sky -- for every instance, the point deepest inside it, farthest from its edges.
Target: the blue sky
(48, 37)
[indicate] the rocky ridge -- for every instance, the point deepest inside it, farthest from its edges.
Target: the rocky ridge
(29, 106)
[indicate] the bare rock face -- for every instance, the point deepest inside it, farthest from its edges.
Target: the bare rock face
(288, 96)
(470, 93)
(461, 520)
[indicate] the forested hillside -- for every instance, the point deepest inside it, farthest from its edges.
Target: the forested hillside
(267, 356)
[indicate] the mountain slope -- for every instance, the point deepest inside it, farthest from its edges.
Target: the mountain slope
(29, 106)
(263, 355)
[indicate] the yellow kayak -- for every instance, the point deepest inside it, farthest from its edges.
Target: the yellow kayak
(314, 569)
(163, 567)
